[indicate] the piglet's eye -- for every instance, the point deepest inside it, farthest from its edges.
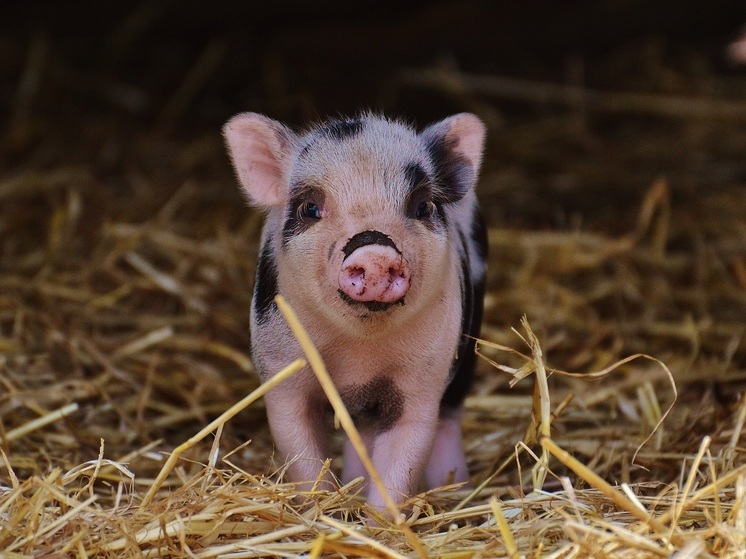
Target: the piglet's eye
(424, 209)
(309, 210)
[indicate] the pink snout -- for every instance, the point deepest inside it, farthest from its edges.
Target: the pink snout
(375, 273)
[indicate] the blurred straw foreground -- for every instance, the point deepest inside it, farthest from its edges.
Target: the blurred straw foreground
(608, 415)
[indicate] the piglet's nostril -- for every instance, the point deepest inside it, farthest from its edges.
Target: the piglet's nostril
(356, 274)
(396, 273)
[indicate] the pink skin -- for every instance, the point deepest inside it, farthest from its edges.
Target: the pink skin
(353, 466)
(375, 273)
(447, 463)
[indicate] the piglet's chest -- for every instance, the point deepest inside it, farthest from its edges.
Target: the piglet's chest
(377, 402)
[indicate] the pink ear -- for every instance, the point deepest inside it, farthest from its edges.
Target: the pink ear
(455, 145)
(462, 135)
(260, 149)
(467, 133)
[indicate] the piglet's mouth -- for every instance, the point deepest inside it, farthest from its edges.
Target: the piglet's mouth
(373, 306)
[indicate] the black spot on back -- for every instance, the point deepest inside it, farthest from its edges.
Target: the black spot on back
(472, 308)
(369, 237)
(265, 284)
(454, 173)
(343, 129)
(378, 402)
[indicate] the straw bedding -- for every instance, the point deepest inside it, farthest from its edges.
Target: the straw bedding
(608, 415)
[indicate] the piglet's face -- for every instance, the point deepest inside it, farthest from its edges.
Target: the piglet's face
(358, 208)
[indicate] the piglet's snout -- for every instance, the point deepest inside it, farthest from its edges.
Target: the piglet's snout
(375, 273)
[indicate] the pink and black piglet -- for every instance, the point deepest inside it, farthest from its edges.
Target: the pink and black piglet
(373, 235)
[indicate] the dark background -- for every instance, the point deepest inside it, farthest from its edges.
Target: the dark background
(107, 75)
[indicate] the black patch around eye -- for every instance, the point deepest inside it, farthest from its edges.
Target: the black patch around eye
(297, 217)
(265, 284)
(434, 218)
(421, 203)
(454, 173)
(343, 129)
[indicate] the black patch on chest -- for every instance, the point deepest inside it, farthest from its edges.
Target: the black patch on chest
(378, 402)
(265, 284)
(368, 238)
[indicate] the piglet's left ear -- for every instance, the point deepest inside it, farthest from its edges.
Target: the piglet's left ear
(455, 145)
(260, 149)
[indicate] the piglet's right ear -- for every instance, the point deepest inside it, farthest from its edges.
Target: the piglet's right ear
(260, 149)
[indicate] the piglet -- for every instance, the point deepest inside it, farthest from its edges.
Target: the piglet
(374, 237)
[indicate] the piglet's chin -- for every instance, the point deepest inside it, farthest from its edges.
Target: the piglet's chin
(373, 306)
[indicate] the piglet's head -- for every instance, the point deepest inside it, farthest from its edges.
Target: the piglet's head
(359, 210)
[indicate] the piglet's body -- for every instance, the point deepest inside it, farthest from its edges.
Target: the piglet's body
(373, 236)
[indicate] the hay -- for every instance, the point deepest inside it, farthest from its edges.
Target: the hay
(684, 493)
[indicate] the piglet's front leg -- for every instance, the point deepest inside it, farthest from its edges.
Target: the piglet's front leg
(447, 463)
(297, 425)
(401, 452)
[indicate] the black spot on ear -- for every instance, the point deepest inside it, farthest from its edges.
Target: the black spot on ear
(472, 308)
(343, 129)
(454, 173)
(265, 284)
